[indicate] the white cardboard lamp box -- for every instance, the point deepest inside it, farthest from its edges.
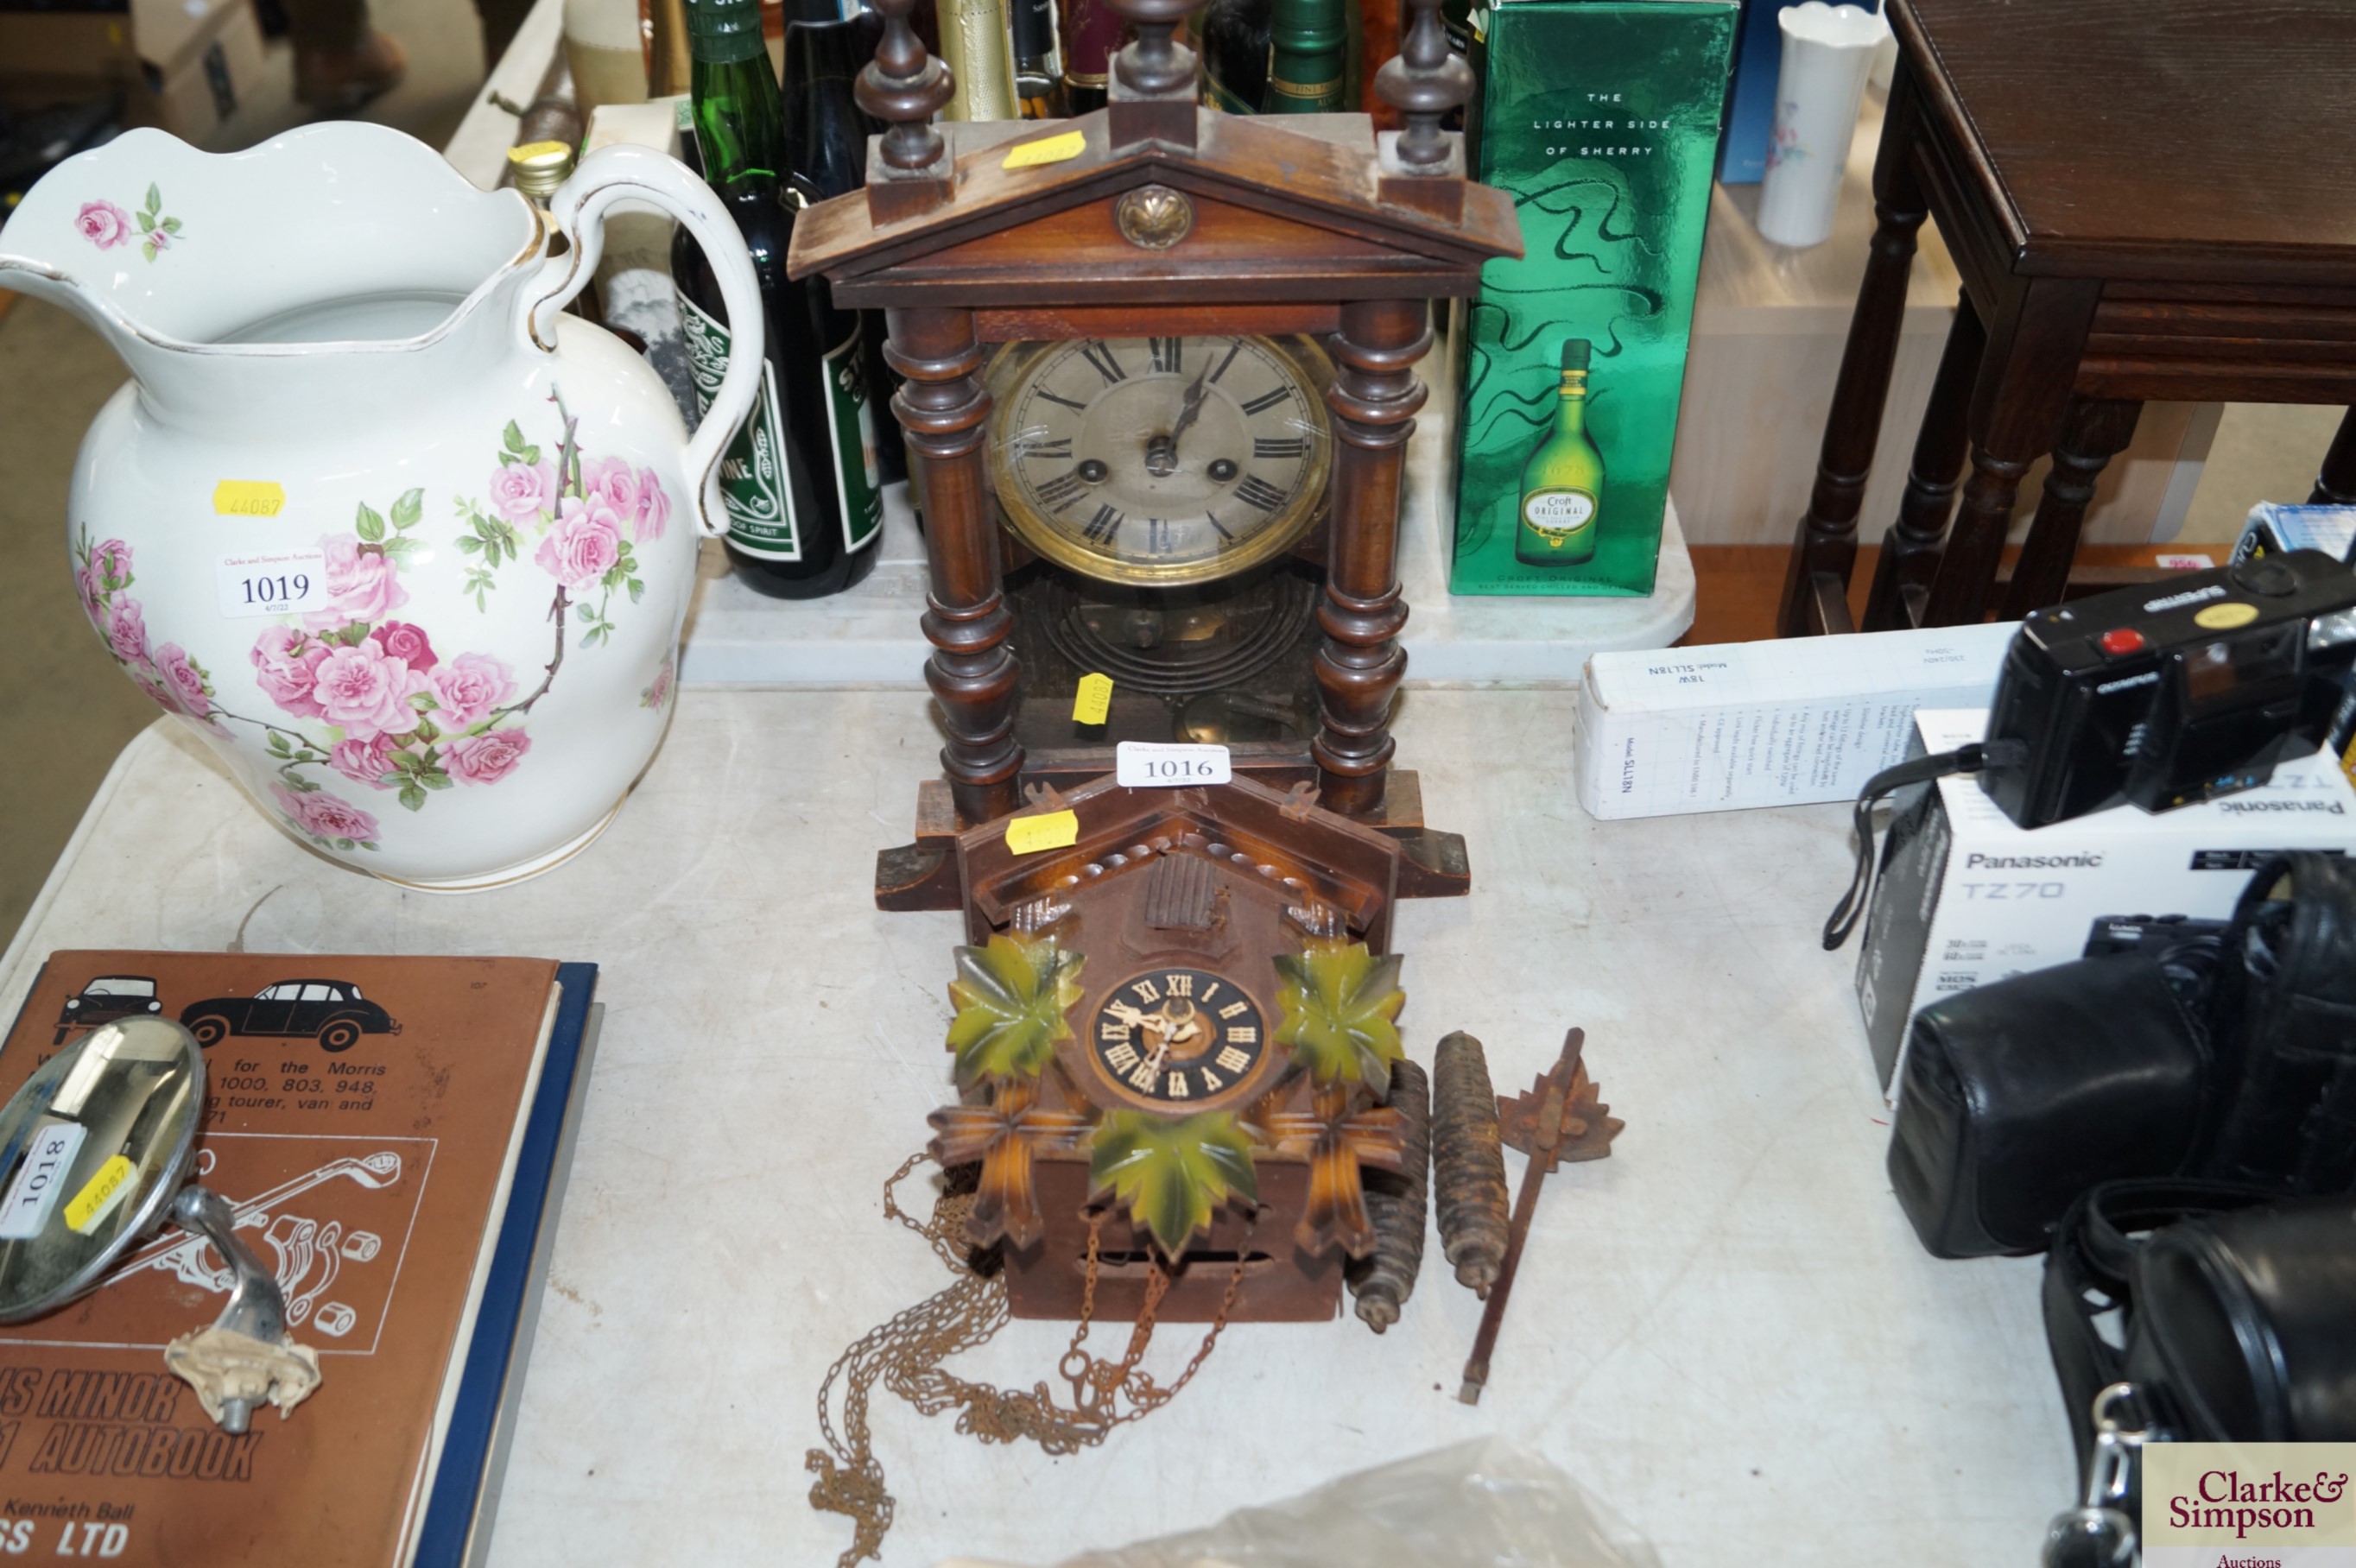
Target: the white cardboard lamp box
(1664, 732)
(1967, 897)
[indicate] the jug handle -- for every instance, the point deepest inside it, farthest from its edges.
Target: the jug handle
(578, 211)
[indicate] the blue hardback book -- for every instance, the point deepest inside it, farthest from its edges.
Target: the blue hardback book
(463, 1494)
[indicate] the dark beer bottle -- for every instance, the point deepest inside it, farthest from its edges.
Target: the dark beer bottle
(826, 151)
(799, 480)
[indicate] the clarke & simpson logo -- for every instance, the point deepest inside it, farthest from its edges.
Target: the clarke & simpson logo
(2249, 1505)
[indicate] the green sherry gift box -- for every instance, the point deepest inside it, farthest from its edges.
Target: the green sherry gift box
(1599, 118)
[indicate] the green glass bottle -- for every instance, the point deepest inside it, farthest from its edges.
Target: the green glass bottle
(1562, 483)
(803, 500)
(1308, 57)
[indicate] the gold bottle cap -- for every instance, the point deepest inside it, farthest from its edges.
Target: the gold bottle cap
(539, 167)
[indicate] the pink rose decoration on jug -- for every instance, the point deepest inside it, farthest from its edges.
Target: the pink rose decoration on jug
(176, 683)
(469, 687)
(334, 822)
(588, 513)
(103, 224)
(487, 758)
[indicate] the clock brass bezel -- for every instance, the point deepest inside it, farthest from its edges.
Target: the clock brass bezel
(1015, 362)
(1250, 1087)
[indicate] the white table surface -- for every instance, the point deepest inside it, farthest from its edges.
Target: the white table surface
(1726, 1331)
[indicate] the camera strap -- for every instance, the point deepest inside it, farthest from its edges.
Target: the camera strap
(1968, 759)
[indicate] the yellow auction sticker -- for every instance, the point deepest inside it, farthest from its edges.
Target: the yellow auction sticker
(248, 498)
(97, 1198)
(1049, 831)
(2226, 616)
(1047, 150)
(1093, 703)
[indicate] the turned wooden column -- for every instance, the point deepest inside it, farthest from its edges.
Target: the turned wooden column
(1375, 397)
(944, 408)
(1910, 550)
(2094, 432)
(1826, 544)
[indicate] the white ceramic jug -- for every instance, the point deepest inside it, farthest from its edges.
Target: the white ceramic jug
(409, 548)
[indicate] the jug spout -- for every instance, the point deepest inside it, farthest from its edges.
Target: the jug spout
(171, 253)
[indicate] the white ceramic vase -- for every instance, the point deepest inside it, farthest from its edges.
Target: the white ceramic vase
(1828, 50)
(408, 548)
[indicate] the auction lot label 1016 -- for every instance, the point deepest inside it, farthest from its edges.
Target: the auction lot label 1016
(2249, 1505)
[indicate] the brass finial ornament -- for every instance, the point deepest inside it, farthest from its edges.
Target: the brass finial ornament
(908, 169)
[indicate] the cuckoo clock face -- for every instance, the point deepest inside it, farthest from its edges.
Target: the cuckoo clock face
(1173, 1035)
(1161, 462)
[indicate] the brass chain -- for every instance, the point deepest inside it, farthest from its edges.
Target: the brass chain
(905, 1352)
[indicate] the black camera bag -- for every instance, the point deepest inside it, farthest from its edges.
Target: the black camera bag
(2285, 1031)
(2235, 1311)
(2018, 1096)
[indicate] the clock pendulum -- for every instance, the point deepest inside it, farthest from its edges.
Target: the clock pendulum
(1160, 361)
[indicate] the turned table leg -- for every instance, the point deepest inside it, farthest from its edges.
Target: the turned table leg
(2093, 432)
(2034, 341)
(943, 406)
(1910, 550)
(1824, 552)
(1374, 396)
(2335, 485)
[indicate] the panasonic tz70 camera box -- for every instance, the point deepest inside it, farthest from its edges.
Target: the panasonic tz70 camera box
(1966, 897)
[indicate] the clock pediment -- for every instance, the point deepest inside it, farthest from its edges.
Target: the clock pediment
(1270, 852)
(1271, 205)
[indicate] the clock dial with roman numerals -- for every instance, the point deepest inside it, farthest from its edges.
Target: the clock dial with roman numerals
(1161, 461)
(1172, 1036)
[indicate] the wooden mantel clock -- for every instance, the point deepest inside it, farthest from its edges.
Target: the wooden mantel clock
(1160, 361)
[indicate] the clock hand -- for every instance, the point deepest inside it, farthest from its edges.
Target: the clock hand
(1192, 408)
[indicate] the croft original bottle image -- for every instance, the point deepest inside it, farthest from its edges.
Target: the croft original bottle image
(1562, 482)
(802, 492)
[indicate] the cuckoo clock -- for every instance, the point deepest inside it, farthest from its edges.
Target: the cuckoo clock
(1196, 981)
(1160, 371)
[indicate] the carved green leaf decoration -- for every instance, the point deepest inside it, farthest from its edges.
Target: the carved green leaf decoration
(1010, 998)
(1170, 1175)
(1339, 1003)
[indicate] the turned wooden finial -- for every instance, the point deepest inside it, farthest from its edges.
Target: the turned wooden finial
(1154, 77)
(908, 170)
(1423, 165)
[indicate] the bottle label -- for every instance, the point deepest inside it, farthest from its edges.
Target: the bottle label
(753, 487)
(1556, 514)
(858, 477)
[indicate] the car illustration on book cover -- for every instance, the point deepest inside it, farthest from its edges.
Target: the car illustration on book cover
(104, 999)
(332, 1011)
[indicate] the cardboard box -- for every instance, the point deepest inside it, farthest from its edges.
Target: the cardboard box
(1600, 119)
(182, 65)
(202, 58)
(65, 57)
(2272, 527)
(1664, 731)
(1966, 898)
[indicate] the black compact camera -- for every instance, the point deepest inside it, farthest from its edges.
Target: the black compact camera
(2172, 692)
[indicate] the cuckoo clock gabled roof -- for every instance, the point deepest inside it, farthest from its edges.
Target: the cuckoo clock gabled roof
(1314, 197)
(1300, 853)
